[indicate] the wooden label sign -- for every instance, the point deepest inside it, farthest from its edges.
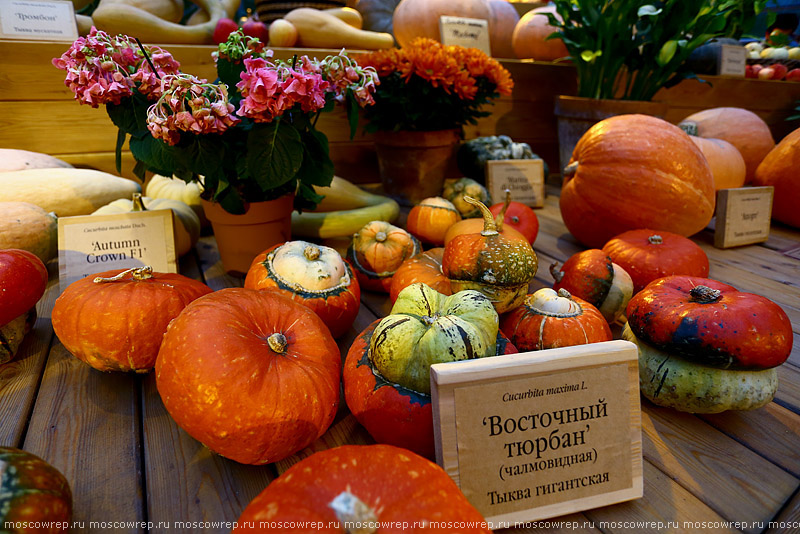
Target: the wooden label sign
(91, 244)
(732, 60)
(541, 434)
(743, 216)
(469, 33)
(28, 19)
(523, 177)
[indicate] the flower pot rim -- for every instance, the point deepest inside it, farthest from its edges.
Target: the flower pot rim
(255, 212)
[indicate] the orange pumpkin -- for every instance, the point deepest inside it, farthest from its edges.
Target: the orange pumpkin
(549, 319)
(475, 225)
(420, 18)
(315, 276)
(115, 320)
(430, 219)
(377, 251)
(635, 171)
(726, 163)
(647, 255)
(425, 268)
(529, 39)
(362, 485)
(592, 276)
(253, 375)
(781, 169)
(494, 264)
(501, 27)
(742, 128)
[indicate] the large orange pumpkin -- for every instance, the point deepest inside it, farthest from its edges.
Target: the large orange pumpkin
(726, 163)
(781, 169)
(115, 320)
(530, 37)
(253, 375)
(501, 27)
(362, 485)
(635, 171)
(742, 128)
(420, 18)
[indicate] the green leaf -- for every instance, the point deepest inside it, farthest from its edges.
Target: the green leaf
(229, 199)
(317, 167)
(351, 104)
(306, 198)
(274, 154)
(588, 56)
(667, 52)
(139, 170)
(154, 154)
(118, 150)
(648, 11)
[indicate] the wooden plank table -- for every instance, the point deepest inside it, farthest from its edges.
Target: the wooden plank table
(132, 469)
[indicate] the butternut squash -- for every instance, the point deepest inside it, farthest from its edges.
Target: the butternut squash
(345, 209)
(348, 15)
(66, 192)
(318, 29)
(12, 159)
(28, 227)
(117, 17)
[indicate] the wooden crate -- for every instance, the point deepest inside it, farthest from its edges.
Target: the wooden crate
(40, 113)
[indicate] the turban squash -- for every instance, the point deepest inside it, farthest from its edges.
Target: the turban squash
(635, 171)
(377, 251)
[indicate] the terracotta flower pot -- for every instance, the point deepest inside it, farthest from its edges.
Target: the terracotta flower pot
(414, 165)
(240, 238)
(577, 114)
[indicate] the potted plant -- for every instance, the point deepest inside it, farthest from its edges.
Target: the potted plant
(624, 51)
(249, 138)
(427, 93)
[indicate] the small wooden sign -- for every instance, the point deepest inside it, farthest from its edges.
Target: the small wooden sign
(541, 434)
(743, 216)
(469, 33)
(52, 20)
(523, 177)
(90, 244)
(732, 61)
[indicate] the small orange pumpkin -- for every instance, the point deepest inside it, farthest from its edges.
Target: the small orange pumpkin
(425, 268)
(781, 169)
(430, 219)
(253, 375)
(115, 320)
(635, 171)
(499, 267)
(529, 39)
(549, 319)
(726, 163)
(313, 275)
(647, 255)
(740, 127)
(592, 276)
(377, 251)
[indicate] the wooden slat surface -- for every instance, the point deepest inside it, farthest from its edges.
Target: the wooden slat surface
(126, 459)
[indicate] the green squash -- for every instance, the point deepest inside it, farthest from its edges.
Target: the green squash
(426, 327)
(671, 381)
(455, 189)
(472, 155)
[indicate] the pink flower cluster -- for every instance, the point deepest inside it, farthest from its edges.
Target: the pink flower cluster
(102, 69)
(269, 89)
(189, 104)
(343, 73)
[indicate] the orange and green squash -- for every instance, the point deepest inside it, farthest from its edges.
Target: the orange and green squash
(377, 251)
(429, 220)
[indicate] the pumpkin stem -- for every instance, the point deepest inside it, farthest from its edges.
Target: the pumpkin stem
(564, 293)
(489, 224)
(501, 217)
(278, 343)
(311, 252)
(556, 272)
(138, 204)
(137, 273)
(380, 237)
(355, 515)
(570, 169)
(655, 239)
(704, 294)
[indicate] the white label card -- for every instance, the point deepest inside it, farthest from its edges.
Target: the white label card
(469, 33)
(523, 177)
(47, 21)
(732, 60)
(91, 244)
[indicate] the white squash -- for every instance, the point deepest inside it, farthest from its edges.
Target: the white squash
(163, 187)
